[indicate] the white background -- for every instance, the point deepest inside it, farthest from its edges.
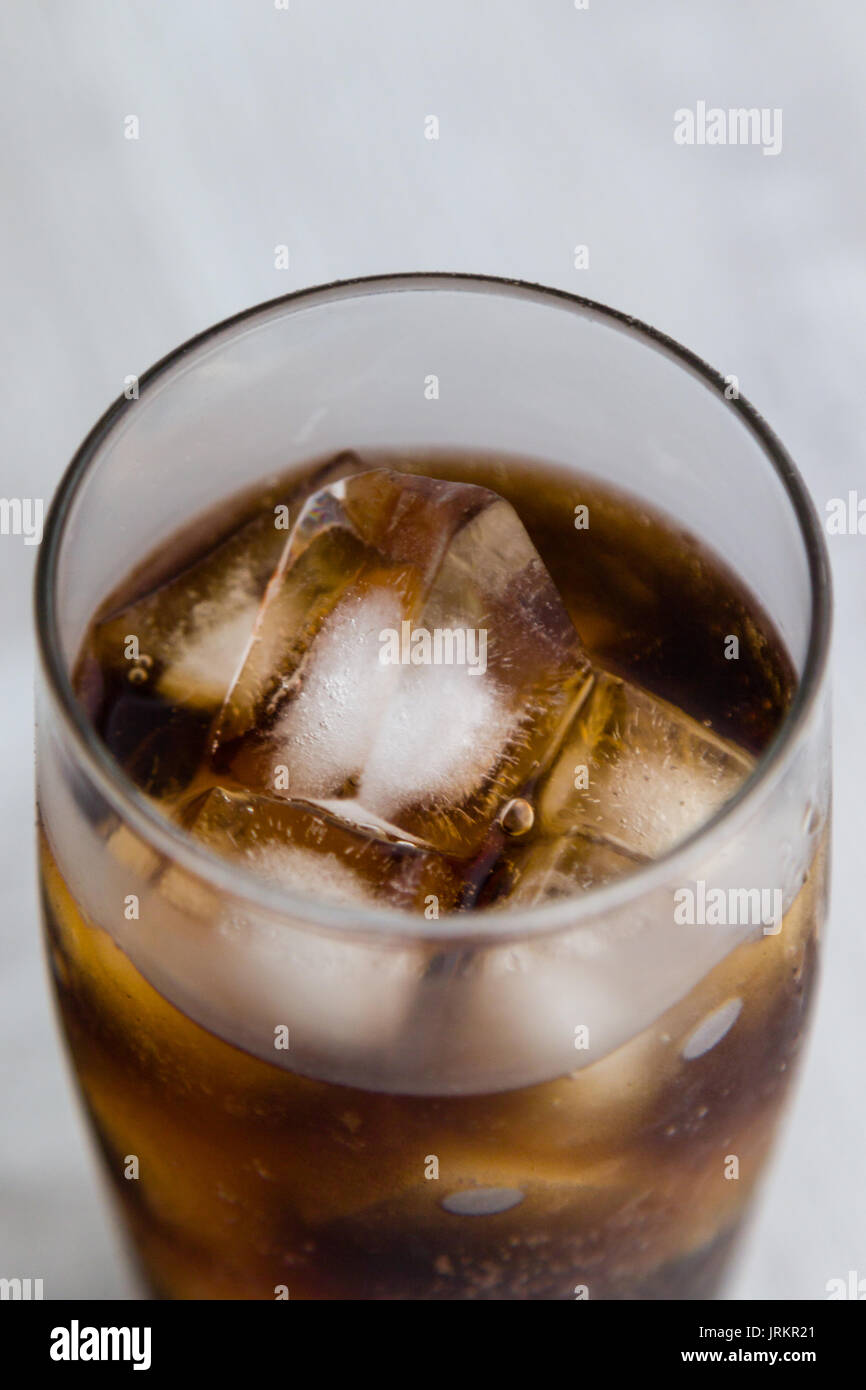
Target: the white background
(260, 127)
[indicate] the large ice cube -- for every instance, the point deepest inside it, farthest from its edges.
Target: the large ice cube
(443, 576)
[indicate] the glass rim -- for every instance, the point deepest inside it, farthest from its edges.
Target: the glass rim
(283, 904)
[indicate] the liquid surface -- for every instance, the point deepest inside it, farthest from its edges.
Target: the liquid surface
(437, 684)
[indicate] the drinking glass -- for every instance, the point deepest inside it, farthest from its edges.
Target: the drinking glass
(458, 1150)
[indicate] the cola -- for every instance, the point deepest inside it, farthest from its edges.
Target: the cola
(424, 701)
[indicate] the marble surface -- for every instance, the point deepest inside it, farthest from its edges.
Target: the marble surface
(305, 126)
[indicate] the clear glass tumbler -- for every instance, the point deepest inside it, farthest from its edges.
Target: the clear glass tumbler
(462, 1152)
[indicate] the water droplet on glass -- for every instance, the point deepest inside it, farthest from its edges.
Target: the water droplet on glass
(712, 1029)
(482, 1201)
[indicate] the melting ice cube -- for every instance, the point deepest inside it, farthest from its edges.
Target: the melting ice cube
(192, 630)
(411, 655)
(637, 771)
(181, 641)
(305, 846)
(634, 775)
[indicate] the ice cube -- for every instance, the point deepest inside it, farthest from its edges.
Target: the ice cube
(632, 777)
(307, 847)
(486, 664)
(552, 868)
(191, 631)
(637, 772)
(168, 657)
(181, 639)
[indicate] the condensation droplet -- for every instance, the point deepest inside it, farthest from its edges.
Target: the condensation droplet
(712, 1029)
(482, 1201)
